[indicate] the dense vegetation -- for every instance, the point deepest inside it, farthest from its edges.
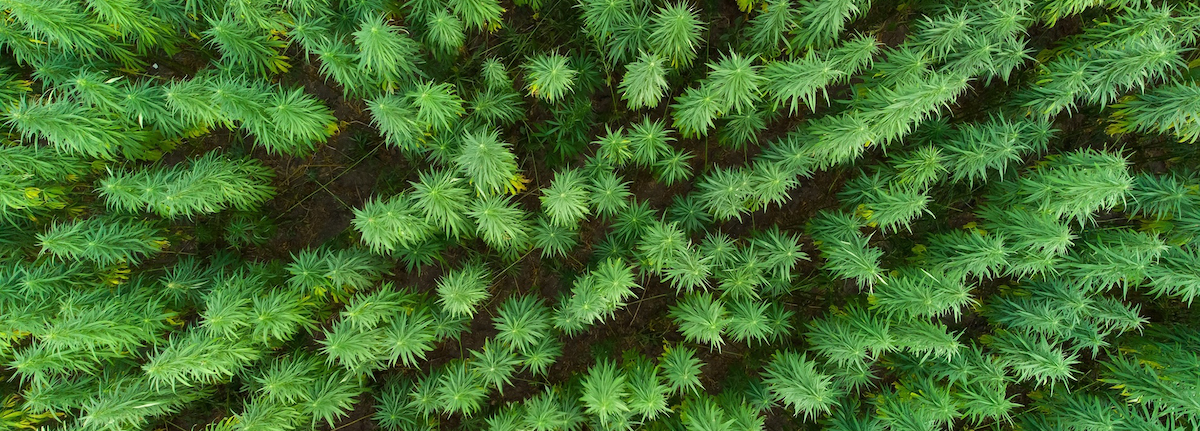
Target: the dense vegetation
(573, 215)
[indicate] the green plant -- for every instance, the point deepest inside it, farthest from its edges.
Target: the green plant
(701, 318)
(769, 29)
(688, 271)
(488, 163)
(207, 185)
(644, 83)
(331, 398)
(481, 14)
(1161, 110)
(553, 239)
(549, 77)
(386, 52)
(445, 32)
(539, 358)
(660, 244)
(391, 406)
(495, 364)
(461, 292)
(436, 104)
(391, 224)
(104, 240)
(72, 129)
(444, 199)
(695, 110)
(566, 200)
(821, 22)
(522, 323)
(459, 389)
(795, 382)
(604, 390)
(409, 337)
(726, 193)
(251, 48)
(397, 120)
(675, 34)
(735, 81)
(248, 229)
(681, 369)
(674, 166)
(501, 224)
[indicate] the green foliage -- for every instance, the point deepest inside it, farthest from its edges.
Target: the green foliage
(644, 83)
(72, 129)
(596, 295)
(566, 200)
(461, 292)
(609, 193)
(914, 294)
(324, 270)
(1075, 185)
(674, 166)
(749, 320)
(332, 398)
(549, 77)
(695, 110)
(675, 34)
(488, 163)
(820, 22)
(459, 389)
(386, 52)
(391, 407)
(445, 32)
(661, 243)
(701, 319)
(735, 81)
(409, 337)
(243, 46)
(853, 258)
(219, 231)
(1034, 358)
(604, 390)
(647, 393)
(387, 225)
(1161, 110)
(703, 414)
(795, 382)
(501, 224)
(601, 18)
(726, 193)
(397, 120)
(769, 29)
(444, 198)
(795, 81)
(498, 107)
(209, 184)
(522, 323)
(481, 14)
(554, 240)
(437, 105)
(650, 142)
(993, 146)
(198, 358)
(688, 213)
(539, 359)
(495, 364)
(962, 253)
(105, 240)
(681, 369)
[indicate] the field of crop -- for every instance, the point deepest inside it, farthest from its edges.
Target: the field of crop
(599, 215)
